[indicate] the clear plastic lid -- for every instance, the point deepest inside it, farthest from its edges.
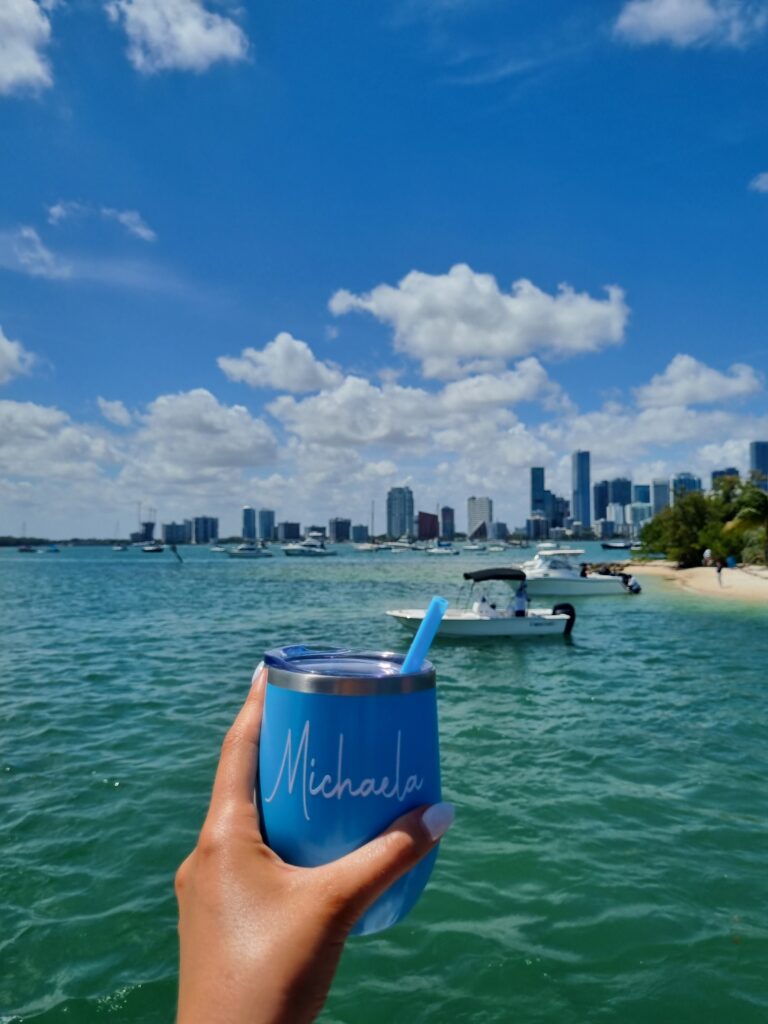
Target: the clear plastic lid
(339, 663)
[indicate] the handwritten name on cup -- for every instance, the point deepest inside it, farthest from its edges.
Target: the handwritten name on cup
(331, 787)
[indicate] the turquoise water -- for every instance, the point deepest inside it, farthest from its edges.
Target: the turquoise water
(609, 860)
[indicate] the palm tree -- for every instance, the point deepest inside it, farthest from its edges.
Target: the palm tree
(753, 512)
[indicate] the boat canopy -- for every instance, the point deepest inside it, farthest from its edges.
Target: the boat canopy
(485, 575)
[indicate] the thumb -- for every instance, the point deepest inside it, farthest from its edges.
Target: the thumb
(362, 876)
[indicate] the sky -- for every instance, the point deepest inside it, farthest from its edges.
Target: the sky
(290, 255)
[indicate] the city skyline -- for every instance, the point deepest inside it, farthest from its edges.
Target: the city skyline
(177, 328)
(618, 502)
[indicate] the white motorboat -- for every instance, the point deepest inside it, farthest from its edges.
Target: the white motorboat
(485, 619)
(475, 549)
(249, 550)
(558, 571)
(119, 547)
(218, 548)
(313, 546)
(442, 549)
(155, 548)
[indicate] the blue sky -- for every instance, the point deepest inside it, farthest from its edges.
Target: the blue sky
(354, 193)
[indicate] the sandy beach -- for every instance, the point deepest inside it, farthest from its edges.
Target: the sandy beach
(747, 583)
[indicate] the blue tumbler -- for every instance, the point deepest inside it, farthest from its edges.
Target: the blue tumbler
(348, 744)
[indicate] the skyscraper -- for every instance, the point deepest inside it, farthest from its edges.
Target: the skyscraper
(600, 497)
(249, 523)
(685, 483)
(479, 510)
(659, 495)
(399, 512)
(206, 529)
(266, 524)
(758, 463)
(537, 490)
(427, 526)
(580, 485)
(641, 493)
(723, 474)
(447, 523)
(620, 491)
(339, 530)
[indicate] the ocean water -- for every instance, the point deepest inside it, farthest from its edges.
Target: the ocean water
(609, 860)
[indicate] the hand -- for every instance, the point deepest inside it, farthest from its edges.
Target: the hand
(260, 940)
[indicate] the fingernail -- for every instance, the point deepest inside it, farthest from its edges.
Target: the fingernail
(257, 673)
(437, 819)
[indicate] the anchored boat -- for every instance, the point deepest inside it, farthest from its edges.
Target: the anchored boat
(484, 618)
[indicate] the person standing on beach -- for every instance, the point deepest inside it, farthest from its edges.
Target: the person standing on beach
(719, 571)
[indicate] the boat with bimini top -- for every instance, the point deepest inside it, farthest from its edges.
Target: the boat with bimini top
(485, 618)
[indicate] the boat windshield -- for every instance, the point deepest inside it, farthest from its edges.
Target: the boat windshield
(560, 563)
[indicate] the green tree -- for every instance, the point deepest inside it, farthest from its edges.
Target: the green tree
(752, 513)
(680, 531)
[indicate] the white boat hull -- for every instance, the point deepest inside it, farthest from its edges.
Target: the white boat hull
(579, 586)
(537, 623)
(309, 553)
(249, 554)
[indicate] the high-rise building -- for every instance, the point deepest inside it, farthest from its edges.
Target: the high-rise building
(600, 499)
(537, 527)
(580, 485)
(427, 526)
(177, 533)
(399, 512)
(249, 523)
(360, 534)
(339, 530)
(637, 513)
(447, 523)
(288, 531)
(615, 513)
(266, 524)
(685, 483)
(659, 495)
(498, 531)
(641, 493)
(537, 490)
(619, 491)
(206, 529)
(479, 511)
(758, 463)
(722, 474)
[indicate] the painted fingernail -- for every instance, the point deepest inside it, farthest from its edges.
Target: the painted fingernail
(257, 672)
(437, 819)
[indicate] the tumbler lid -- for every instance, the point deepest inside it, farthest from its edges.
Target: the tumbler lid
(341, 671)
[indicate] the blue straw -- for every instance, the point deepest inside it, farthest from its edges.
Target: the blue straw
(425, 634)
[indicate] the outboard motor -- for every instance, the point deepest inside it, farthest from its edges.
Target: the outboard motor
(570, 611)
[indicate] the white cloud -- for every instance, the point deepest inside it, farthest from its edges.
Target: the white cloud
(14, 359)
(686, 381)
(284, 364)
(132, 221)
(23, 250)
(760, 182)
(25, 32)
(42, 441)
(359, 413)
(115, 412)
(64, 210)
(176, 35)
(461, 322)
(192, 436)
(691, 22)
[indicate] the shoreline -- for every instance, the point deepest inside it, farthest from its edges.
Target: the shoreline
(748, 584)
